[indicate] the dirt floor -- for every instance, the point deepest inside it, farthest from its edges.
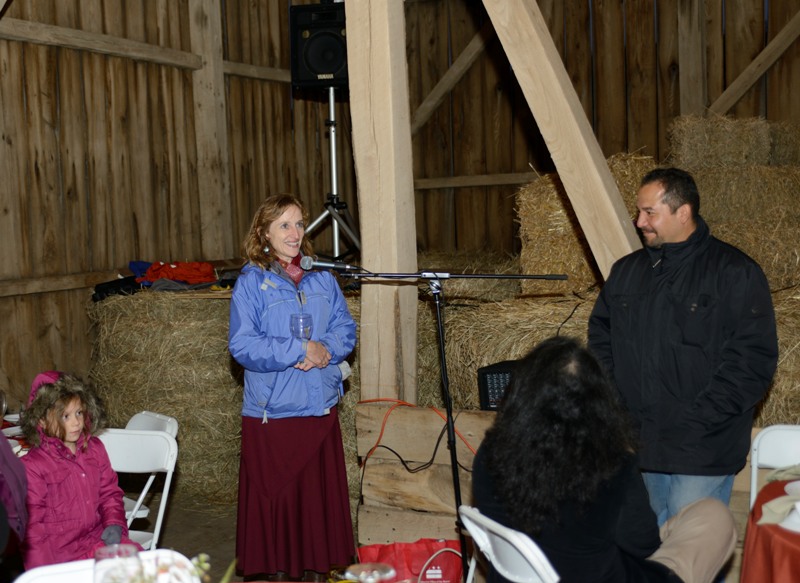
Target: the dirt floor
(192, 529)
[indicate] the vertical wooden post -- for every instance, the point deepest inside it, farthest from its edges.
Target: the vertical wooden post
(692, 56)
(377, 66)
(566, 130)
(211, 132)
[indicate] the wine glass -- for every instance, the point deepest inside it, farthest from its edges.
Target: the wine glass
(118, 563)
(301, 326)
(3, 404)
(370, 572)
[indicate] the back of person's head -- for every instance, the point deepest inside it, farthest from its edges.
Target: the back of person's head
(48, 402)
(255, 246)
(560, 432)
(679, 188)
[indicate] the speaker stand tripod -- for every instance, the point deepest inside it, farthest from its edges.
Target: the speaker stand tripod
(335, 209)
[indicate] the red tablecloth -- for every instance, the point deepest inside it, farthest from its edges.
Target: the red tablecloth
(771, 552)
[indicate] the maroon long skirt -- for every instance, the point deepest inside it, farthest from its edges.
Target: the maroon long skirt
(294, 507)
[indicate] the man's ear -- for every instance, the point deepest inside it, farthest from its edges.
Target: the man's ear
(684, 213)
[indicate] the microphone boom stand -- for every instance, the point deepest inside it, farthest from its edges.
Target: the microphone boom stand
(435, 285)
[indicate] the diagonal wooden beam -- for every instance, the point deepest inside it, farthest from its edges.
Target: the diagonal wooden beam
(562, 121)
(758, 67)
(453, 75)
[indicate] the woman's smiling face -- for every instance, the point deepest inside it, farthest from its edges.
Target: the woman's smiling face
(285, 234)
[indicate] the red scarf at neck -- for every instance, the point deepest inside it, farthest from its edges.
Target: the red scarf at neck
(293, 269)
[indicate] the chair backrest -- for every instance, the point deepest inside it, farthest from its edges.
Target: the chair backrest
(153, 422)
(513, 554)
(143, 451)
(775, 446)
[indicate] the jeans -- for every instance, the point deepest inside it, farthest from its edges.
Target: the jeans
(669, 493)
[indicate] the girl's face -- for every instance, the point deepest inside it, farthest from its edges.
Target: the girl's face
(68, 425)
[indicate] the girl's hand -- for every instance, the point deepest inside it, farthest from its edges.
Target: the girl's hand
(316, 356)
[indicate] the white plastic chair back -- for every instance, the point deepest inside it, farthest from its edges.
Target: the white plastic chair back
(153, 422)
(159, 560)
(775, 446)
(143, 451)
(513, 554)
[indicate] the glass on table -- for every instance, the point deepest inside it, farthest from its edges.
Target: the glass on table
(118, 563)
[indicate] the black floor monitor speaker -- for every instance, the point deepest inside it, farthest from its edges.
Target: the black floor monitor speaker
(319, 47)
(493, 380)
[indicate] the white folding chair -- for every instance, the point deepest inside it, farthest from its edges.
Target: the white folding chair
(142, 451)
(151, 422)
(513, 554)
(775, 446)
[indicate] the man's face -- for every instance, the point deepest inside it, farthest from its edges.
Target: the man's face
(656, 220)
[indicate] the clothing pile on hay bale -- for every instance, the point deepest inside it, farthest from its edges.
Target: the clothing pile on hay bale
(168, 353)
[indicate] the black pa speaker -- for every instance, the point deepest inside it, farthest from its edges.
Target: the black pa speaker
(319, 48)
(493, 380)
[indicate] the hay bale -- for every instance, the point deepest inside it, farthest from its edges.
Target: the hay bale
(782, 404)
(702, 142)
(168, 352)
(747, 193)
(552, 239)
(766, 242)
(488, 333)
(472, 263)
(785, 143)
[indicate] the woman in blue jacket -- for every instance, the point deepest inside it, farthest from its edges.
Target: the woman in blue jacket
(294, 515)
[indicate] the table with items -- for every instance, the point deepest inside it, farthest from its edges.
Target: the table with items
(772, 540)
(13, 433)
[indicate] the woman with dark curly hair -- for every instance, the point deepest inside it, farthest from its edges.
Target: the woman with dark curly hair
(74, 500)
(559, 464)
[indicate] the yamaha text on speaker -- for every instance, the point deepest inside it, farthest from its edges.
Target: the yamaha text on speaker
(319, 48)
(493, 380)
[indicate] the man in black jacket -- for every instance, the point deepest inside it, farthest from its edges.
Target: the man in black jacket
(686, 329)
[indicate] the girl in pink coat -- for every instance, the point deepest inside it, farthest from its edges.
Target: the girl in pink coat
(74, 500)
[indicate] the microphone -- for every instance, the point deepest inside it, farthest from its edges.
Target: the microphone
(308, 262)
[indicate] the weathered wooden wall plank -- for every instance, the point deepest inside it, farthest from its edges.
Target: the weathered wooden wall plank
(642, 110)
(611, 115)
(744, 25)
(782, 105)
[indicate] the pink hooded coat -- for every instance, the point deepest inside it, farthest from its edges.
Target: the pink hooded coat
(71, 499)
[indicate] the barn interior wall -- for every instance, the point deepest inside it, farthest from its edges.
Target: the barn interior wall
(100, 150)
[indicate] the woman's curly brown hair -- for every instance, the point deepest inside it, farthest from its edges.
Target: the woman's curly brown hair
(50, 402)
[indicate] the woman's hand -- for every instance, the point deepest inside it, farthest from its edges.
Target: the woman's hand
(316, 356)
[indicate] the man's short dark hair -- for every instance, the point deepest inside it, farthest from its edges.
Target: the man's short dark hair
(679, 188)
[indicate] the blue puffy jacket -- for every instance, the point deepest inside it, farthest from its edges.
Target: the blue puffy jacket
(259, 340)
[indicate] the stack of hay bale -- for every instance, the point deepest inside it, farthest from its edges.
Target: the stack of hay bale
(748, 174)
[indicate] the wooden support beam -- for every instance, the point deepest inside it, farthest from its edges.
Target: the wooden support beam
(475, 180)
(765, 59)
(59, 36)
(378, 79)
(379, 525)
(457, 70)
(256, 72)
(54, 283)
(566, 130)
(211, 133)
(692, 55)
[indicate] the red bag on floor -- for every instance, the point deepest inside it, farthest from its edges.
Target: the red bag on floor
(427, 560)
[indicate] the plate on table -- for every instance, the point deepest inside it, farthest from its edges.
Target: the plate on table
(12, 431)
(12, 418)
(792, 488)
(792, 521)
